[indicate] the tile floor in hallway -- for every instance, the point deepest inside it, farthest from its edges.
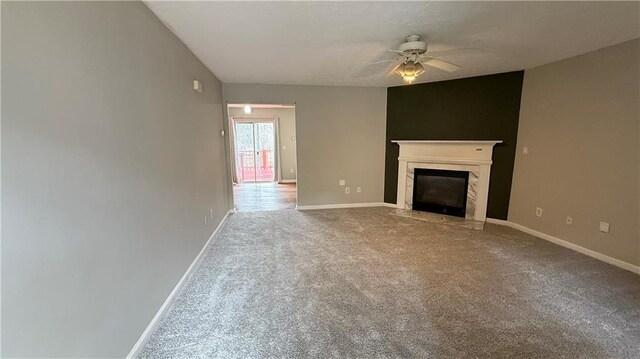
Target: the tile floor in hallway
(264, 196)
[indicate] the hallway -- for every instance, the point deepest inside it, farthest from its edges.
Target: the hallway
(270, 196)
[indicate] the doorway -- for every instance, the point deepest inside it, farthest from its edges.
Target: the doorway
(255, 150)
(263, 156)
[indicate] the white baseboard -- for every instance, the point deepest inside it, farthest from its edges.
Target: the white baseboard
(341, 205)
(135, 351)
(287, 181)
(390, 205)
(561, 242)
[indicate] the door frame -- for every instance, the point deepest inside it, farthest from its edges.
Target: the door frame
(227, 134)
(276, 152)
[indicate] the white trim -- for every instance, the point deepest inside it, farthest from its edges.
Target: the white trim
(444, 160)
(135, 351)
(561, 242)
(341, 205)
(287, 181)
(261, 105)
(258, 119)
(447, 142)
(276, 159)
(390, 205)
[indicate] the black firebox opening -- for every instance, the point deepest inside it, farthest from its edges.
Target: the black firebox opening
(440, 191)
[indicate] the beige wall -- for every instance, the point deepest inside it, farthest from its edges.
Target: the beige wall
(286, 118)
(580, 121)
(110, 162)
(340, 135)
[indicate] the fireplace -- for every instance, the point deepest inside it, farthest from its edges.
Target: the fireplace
(451, 167)
(440, 191)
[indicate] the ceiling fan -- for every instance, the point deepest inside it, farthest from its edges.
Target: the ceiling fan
(413, 55)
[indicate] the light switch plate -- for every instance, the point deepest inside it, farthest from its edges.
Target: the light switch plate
(604, 227)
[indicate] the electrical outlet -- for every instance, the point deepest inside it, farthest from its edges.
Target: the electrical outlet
(604, 227)
(525, 150)
(291, 170)
(347, 190)
(538, 212)
(197, 86)
(358, 189)
(341, 183)
(569, 220)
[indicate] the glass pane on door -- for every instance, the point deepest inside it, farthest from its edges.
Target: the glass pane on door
(265, 148)
(245, 151)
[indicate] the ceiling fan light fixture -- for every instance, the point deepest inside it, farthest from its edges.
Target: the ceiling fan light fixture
(409, 70)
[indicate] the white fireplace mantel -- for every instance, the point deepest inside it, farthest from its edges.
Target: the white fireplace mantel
(474, 157)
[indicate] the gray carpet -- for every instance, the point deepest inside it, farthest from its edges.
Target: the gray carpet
(360, 283)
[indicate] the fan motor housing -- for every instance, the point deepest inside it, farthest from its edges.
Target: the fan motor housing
(414, 47)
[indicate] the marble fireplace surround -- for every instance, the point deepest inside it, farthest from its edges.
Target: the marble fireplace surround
(471, 156)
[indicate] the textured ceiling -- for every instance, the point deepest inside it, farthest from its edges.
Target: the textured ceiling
(332, 43)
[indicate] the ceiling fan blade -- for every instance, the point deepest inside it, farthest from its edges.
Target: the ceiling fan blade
(457, 52)
(381, 62)
(441, 64)
(393, 69)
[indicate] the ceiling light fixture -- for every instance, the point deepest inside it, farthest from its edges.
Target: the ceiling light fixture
(248, 109)
(409, 70)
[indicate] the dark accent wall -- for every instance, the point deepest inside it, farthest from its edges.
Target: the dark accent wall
(476, 108)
